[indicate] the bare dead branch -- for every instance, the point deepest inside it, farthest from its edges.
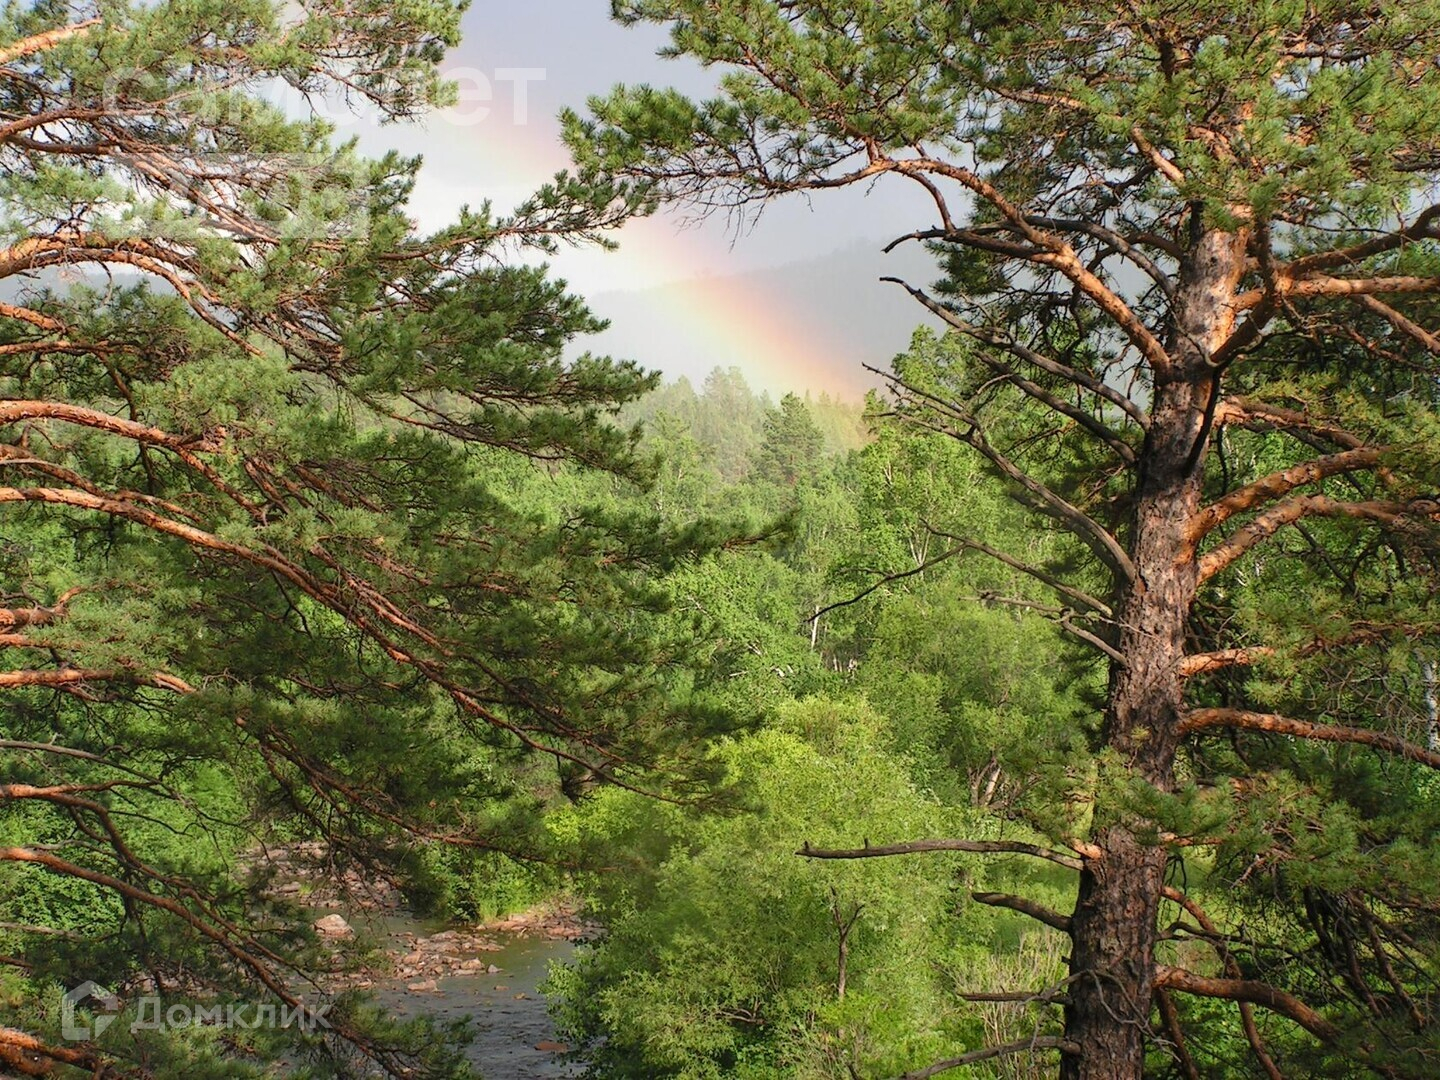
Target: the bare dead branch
(1035, 494)
(979, 847)
(884, 580)
(1171, 1019)
(1232, 969)
(1001, 340)
(1038, 912)
(1062, 617)
(1050, 995)
(1080, 597)
(1100, 430)
(1021, 1046)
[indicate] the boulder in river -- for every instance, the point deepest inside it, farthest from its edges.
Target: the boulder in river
(333, 926)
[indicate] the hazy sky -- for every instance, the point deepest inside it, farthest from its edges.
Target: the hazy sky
(518, 64)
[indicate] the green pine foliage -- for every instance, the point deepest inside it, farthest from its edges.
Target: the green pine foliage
(297, 541)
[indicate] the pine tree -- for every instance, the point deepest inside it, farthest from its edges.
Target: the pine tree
(791, 444)
(261, 569)
(1200, 240)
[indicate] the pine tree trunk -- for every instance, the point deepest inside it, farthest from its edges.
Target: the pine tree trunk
(1114, 922)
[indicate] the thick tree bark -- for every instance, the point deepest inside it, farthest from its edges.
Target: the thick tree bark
(1114, 922)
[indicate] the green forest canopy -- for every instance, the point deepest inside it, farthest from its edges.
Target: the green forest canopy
(1076, 711)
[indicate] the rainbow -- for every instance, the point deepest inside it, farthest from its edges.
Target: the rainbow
(718, 314)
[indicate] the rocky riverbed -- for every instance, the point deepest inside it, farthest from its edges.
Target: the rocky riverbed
(415, 967)
(489, 974)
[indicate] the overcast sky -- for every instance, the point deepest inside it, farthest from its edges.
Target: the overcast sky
(517, 66)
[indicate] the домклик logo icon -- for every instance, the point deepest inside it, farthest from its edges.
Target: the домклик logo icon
(77, 1028)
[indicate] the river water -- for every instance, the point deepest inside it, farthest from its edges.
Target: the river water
(506, 1010)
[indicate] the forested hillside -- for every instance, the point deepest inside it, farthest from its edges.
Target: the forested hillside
(1068, 708)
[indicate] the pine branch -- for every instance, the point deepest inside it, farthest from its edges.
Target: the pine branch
(369, 612)
(63, 678)
(1269, 488)
(1220, 659)
(30, 1056)
(1290, 288)
(59, 750)
(1058, 255)
(30, 315)
(48, 39)
(39, 616)
(1163, 165)
(249, 954)
(1263, 416)
(1420, 229)
(1248, 990)
(1245, 655)
(1125, 246)
(1395, 515)
(1245, 720)
(16, 410)
(1232, 969)
(1425, 338)
(252, 957)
